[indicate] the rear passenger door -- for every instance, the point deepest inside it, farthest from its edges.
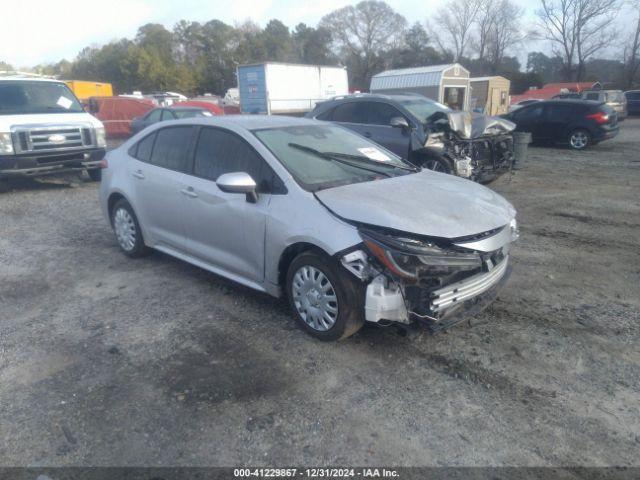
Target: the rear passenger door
(379, 128)
(157, 171)
(223, 229)
(352, 115)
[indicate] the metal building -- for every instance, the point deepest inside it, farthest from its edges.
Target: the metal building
(448, 84)
(490, 95)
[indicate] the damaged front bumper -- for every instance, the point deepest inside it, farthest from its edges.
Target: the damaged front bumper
(447, 286)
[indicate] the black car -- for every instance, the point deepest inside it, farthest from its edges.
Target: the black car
(169, 113)
(633, 102)
(425, 132)
(577, 123)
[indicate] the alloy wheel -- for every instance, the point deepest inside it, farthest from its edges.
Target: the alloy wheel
(435, 166)
(579, 140)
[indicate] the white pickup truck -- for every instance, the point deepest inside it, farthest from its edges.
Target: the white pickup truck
(45, 130)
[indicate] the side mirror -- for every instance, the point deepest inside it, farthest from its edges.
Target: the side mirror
(399, 122)
(238, 182)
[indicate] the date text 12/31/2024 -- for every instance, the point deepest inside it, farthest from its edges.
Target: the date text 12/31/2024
(315, 473)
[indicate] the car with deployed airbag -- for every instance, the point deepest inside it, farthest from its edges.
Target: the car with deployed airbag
(346, 230)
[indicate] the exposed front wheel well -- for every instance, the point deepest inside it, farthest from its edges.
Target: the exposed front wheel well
(113, 199)
(291, 252)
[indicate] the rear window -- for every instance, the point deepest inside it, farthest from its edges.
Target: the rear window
(170, 148)
(592, 96)
(615, 97)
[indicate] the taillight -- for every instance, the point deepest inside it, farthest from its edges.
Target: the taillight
(599, 117)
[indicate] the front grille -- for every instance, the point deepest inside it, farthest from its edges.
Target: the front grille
(60, 158)
(458, 292)
(40, 139)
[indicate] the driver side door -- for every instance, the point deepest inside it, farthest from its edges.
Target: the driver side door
(224, 229)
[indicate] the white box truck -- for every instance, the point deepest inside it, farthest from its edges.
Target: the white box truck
(288, 89)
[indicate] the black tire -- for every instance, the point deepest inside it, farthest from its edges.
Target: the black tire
(4, 185)
(349, 294)
(95, 174)
(436, 164)
(579, 139)
(136, 248)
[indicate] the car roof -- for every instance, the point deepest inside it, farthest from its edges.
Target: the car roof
(184, 107)
(382, 96)
(571, 101)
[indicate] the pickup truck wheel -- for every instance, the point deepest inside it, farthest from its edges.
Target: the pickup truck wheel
(95, 174)
(579, 139)
(127, 229)
(326, 301)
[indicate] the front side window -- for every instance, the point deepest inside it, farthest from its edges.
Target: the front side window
(382, 113)
(24, 97)
(170, 148)
(355, 159)
(530, 113)
(219, 152)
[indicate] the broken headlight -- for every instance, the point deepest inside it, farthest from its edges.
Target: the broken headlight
(412, 258)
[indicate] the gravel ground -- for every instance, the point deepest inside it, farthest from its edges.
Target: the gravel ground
(111, 361)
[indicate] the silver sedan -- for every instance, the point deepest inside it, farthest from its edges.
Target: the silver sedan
(345, 229)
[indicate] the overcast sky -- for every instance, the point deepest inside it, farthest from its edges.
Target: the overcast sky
(42, 31)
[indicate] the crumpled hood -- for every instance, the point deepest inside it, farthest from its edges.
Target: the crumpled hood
(425, 203)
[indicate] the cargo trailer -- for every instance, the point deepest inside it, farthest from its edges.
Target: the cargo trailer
(288, 89)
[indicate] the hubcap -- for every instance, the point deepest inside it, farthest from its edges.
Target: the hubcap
(314, 298)
(125, 229)
(435, 165)
(579, 140)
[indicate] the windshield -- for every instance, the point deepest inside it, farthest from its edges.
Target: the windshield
(22, 97)
(422, 108)
(615, 97)
(325, 156)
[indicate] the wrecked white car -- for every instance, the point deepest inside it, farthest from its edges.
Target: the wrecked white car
(345, 229)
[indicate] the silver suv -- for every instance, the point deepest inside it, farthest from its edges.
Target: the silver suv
(345, 229)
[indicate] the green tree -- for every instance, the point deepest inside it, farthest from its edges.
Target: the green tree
(416, 50)
(313, 45)
(277, 42)
(362, 35)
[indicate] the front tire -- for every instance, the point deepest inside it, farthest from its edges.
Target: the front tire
(326, 301)
(127, 230)
(579, 139)
(437, 164)
(95, 174)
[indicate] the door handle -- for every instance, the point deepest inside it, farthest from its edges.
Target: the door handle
(138, 174)
(189, 192)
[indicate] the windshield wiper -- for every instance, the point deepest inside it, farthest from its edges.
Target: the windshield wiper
(372, 160)
(330, 157)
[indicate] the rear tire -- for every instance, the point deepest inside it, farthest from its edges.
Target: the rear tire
(579, 139)
(127, 230)
(327, 302)
(95, 174)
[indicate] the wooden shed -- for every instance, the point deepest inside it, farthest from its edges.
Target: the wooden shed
(448, 84)
(490, 95)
